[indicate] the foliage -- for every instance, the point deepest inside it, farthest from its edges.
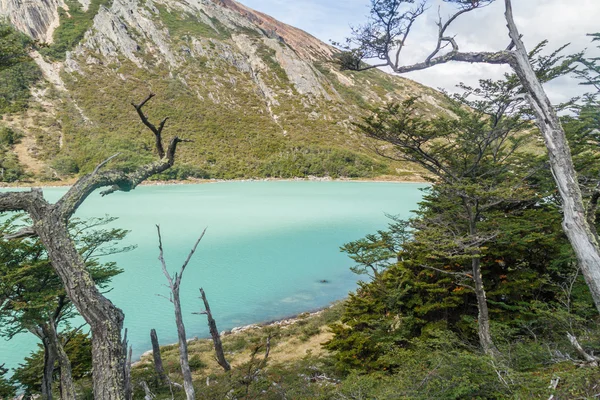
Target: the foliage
(32, 295)
(18, 72)
(590, 74)
(7, 389)
(73, 25)
(31, 291)
(78, 347)
(377, 252)
(13, 46)
(488, 201)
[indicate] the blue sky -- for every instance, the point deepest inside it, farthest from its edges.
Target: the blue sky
(559, 21)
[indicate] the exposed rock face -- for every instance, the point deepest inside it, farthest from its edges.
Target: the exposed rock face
(36, 18)
(304, 44)
(240, 66)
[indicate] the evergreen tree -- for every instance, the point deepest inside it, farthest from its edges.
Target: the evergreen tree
(32, 297)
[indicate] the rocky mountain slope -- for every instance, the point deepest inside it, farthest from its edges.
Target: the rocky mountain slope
(257, 97)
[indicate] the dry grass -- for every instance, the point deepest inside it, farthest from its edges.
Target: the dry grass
(300, 336)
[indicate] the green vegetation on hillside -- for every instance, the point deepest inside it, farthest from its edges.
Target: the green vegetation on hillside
(18, 72)
(74, 23)
(233, 136)
(182, 25)
(10, 168)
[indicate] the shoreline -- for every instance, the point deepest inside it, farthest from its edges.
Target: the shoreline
(195, 181)
(283, 322)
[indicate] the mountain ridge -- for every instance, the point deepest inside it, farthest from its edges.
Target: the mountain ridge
(259, 98)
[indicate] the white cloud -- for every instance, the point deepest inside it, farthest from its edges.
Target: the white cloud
(559, 21)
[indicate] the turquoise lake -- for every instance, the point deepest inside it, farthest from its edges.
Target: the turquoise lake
(267, 247)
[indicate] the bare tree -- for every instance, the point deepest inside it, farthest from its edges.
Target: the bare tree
(214, 333)
(385, 36)
(158, 365)
(50, 223)
(127, 369)
(174, 286)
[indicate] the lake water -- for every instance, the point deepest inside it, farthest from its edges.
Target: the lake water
(267, 247)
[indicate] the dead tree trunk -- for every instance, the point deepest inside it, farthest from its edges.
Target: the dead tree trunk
(483, 318)
(158, 365)
(214, 333)
(50, 223)
(53, 352)
(174, 286)
(575, 223)
(128, 389)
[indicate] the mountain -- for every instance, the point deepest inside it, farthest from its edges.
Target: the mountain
(257, 97)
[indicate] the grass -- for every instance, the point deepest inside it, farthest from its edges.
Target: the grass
(236, 133)
(73, 25)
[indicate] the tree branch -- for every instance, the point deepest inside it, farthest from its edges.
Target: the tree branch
(157, 131)
(103, 163)
(22, 201)
(189, 257)
(162, 260)
(26, 232)
(499, 57)
(118, 180)
(586, 356)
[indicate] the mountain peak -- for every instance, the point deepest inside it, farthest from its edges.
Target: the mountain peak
(302, 42)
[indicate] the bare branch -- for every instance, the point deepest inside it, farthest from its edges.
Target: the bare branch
(23, 233)
(586, 356)
(22, 201)
(118, 180)
(214, 333)
(444, 27)
(157, 131)
(162, 260)
(103, 163)
(189, 257)
(499, 57)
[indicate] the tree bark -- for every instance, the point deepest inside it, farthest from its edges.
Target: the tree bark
(105, 320)
(127, 376)
(67, 388)
(483, 319)
(158, 365)
(50, 223)
(174, 286)
(47, 376)
(214, 332)
(575, 223)
(188, 385)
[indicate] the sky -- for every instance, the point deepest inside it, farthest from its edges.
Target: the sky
(559, 21)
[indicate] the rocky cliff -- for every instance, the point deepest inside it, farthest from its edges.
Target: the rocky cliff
(257, 96)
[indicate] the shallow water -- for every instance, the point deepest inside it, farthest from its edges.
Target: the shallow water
(267, 247)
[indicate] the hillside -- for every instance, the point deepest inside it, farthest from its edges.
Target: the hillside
(259, 98)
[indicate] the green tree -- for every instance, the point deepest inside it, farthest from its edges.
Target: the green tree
(472, 160)
(384, 37)
(7, 389)
(18, 72)
(488, 226)
(33, 298)
(77, 346)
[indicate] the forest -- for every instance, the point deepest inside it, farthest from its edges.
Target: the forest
(491, 290)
